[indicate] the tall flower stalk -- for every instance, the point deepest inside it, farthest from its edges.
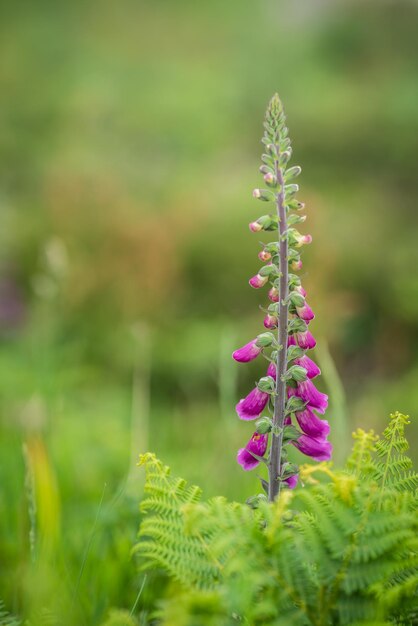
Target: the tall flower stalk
(287, 392)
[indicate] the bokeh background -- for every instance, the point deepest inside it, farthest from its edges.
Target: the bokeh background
(129, 147)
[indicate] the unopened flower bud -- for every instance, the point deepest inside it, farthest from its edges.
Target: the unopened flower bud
(264, 340)
(273, 294)
(263, 194)
(270, 179)
(258, 281)
(265, 222)
(295, 205)
(255, 227)
(263, 425)
(265, 169)
(270, 321)
(296, 265)
(303, 240)
(264, 255)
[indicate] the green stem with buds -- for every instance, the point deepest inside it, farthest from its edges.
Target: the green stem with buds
(274, 465)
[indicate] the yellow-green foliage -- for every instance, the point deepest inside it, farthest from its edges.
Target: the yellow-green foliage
(342, 549)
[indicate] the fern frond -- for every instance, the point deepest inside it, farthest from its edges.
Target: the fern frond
(163, 541)
(6, 619)
(392, 466)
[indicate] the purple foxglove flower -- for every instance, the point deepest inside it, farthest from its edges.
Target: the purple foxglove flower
(307, 391)
(270, 321)
(304, 340)
(273, 294)
(257, 445)
(317, 449)
(253, 405)
(258, 281)
(305, 312)
(312, 370)
(311, 424)
(271, 370)
(247, 353)
(292, 481)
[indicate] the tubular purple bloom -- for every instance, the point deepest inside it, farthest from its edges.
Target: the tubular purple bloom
(311, 424)
(317, 449)
(305, 312)
(304, 340)
(292, 481)
(271, 370)
(247, 353)
(307, 391)
(312, 370)
(258, 281)
(257, 445)
(253, 405)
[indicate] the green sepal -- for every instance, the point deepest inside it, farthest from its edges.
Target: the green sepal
(291, 433)
(266, 384)
(269, 270)
(294, 352)
(297, 373)
(296, 325)
(295, 219)
(264, 340)
(264, 425)
(254, 501)
(296, 298)
(294, 404)
(289, 469)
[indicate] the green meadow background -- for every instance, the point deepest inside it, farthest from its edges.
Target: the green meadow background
(129, 147)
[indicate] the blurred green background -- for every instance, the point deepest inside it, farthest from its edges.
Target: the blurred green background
(129, 147)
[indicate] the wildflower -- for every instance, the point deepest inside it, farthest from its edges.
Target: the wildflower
(256, 445)
(248, 352)
(305, 312)
(312, 425)
(254, 404)
(304, 340)
(312, 370)
(317, 449)
(307, 391)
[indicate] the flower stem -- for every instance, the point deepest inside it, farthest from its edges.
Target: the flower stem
(280, 390)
